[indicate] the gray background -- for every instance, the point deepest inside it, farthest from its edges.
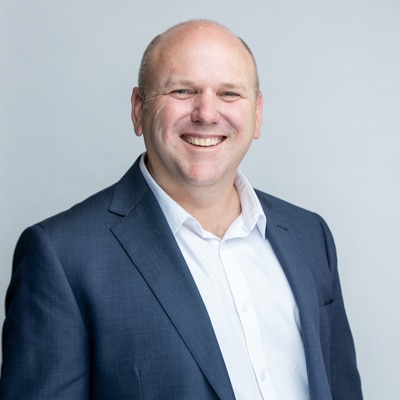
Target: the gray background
(330, 141)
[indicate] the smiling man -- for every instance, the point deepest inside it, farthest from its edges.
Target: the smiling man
(199, 107)
(181, 281)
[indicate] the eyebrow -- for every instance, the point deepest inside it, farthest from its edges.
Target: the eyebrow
(174, 81)
(228, 85)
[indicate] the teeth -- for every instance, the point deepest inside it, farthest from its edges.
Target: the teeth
(203, 142)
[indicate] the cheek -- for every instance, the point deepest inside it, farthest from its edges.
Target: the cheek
(153, 120)
(243, 120)
(173, 119)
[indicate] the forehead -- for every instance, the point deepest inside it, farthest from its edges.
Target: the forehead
(201, 50)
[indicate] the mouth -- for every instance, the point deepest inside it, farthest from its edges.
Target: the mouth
(203, 141)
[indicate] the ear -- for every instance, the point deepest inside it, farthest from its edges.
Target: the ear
(137, 110)
(259, 115)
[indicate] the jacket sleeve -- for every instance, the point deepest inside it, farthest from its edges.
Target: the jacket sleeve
(45, 342)
(345, 379)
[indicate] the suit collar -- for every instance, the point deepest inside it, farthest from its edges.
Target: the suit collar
(128, 192)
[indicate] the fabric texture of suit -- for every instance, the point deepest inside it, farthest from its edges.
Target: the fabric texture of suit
(102, 305)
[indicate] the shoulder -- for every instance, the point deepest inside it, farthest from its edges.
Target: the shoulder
(102, 207)
(92, 218)
(282, 207)
(284, 213)
(309, 227)
(89, 210)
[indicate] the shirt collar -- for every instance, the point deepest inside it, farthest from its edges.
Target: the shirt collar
(252, 212)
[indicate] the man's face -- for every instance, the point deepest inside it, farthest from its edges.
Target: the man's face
(202, 110)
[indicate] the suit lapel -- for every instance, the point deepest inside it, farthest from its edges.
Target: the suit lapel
(164, 269)
(288, 244)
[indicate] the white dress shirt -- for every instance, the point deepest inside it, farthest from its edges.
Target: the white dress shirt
(247, 296)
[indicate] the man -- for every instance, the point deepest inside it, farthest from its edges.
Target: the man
(180, 281)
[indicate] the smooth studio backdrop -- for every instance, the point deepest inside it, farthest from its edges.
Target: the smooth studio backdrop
(330, 141)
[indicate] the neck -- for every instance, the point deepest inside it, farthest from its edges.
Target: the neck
(214, 208)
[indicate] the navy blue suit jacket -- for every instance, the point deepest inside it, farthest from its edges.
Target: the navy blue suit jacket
(102, 305)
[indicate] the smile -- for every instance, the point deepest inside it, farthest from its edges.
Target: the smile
(203, 142)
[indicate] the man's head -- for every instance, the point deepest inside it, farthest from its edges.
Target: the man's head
(198, 105)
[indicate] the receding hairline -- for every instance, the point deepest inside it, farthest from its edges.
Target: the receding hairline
(144, 71)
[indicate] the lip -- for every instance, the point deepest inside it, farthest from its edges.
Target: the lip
(203, 141)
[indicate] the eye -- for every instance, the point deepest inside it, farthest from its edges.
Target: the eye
(182, 93)
(229, 95)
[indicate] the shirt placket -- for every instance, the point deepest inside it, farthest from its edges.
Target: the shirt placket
(249, 321)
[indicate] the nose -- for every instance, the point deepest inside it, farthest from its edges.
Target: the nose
(205, 108)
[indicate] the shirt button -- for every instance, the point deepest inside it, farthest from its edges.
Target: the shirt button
(262, 375)
(244, 307)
